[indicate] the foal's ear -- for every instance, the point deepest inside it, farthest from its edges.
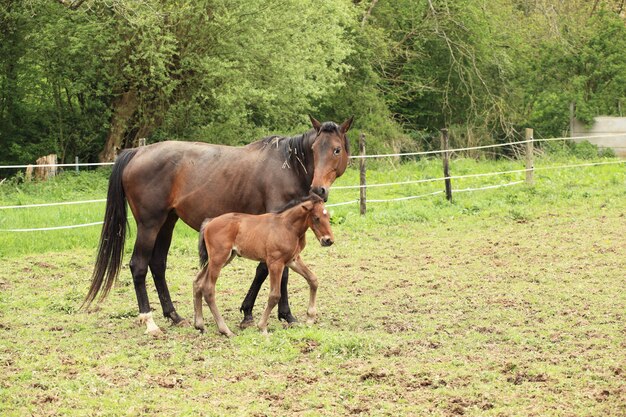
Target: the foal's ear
(316, 124)
(345, 126)
(307, 205)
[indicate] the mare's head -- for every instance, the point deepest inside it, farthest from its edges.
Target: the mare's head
(331, 150)
(319, 220)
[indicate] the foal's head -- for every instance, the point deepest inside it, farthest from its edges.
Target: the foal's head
(319, 220)
(331, 150)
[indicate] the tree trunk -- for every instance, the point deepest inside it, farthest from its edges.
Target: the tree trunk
(124, 107)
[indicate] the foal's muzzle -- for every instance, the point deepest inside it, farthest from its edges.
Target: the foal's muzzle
(321, 191)
(326, 241)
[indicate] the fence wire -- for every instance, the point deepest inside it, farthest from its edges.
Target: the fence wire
(344, 187)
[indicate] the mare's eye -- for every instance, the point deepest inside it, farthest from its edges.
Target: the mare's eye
(336, 151)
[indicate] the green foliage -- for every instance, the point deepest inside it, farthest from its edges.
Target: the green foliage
(74, 80)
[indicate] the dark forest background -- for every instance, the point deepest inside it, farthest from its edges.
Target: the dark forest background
(85, 77)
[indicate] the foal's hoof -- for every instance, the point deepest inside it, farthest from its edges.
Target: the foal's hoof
(247, 321)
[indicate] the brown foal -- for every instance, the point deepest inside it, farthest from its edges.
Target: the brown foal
(274, 238)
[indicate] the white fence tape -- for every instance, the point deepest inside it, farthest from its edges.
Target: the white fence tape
(62, 203)
(496, 145)
(485, 174)
(86, 164)
(74, 226)
(341, 187)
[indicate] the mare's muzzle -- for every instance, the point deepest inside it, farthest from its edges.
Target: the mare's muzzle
(321, 191)
(326, 241)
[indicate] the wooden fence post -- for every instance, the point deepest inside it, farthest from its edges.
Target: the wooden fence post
(142, 142)
(45, 172)
(362, 189)
(446, 158)
(530, 147)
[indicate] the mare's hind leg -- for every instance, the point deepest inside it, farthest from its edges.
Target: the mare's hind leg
(139, 268)
(299, 267)
(158, 265)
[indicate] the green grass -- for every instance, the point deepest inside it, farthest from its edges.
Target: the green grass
(506, 302)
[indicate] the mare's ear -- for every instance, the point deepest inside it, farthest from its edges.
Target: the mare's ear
(345, 126)
(316, 124)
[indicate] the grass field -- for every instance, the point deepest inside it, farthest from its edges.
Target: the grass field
(506, 302)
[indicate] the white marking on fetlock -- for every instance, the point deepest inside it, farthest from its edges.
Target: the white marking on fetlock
(151, 327)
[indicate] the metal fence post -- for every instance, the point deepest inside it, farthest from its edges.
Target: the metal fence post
(446, 158)
(530, 148)
(362, 189)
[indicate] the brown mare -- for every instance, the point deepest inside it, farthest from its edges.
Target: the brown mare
(237, 234)
(166, 181)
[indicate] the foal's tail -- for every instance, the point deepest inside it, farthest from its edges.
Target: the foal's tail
(202, 249)
(111, 247)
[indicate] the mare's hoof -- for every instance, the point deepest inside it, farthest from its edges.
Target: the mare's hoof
(289, 318)
(247, 321)
(176, 319)
(229, 334)
(182, 323)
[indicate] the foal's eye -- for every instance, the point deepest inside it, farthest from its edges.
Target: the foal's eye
(336, 151)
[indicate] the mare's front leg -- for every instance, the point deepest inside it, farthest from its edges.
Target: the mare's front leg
(275, 272)
(284, 312)
(299, 267)
(253, 292)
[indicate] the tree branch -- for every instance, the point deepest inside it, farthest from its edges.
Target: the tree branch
(369, 12)
(71, 4)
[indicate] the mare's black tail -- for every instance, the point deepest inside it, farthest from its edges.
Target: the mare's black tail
(111, 247)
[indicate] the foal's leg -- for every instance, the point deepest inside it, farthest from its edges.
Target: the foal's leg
(299, 267)
(276, 272)
(215, 266)
(198, 283)
(158, 264)
(139, 268)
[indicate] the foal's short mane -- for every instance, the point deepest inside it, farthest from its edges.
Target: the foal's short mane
(297, 201)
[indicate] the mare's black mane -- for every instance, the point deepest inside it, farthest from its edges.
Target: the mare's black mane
(294, 148)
